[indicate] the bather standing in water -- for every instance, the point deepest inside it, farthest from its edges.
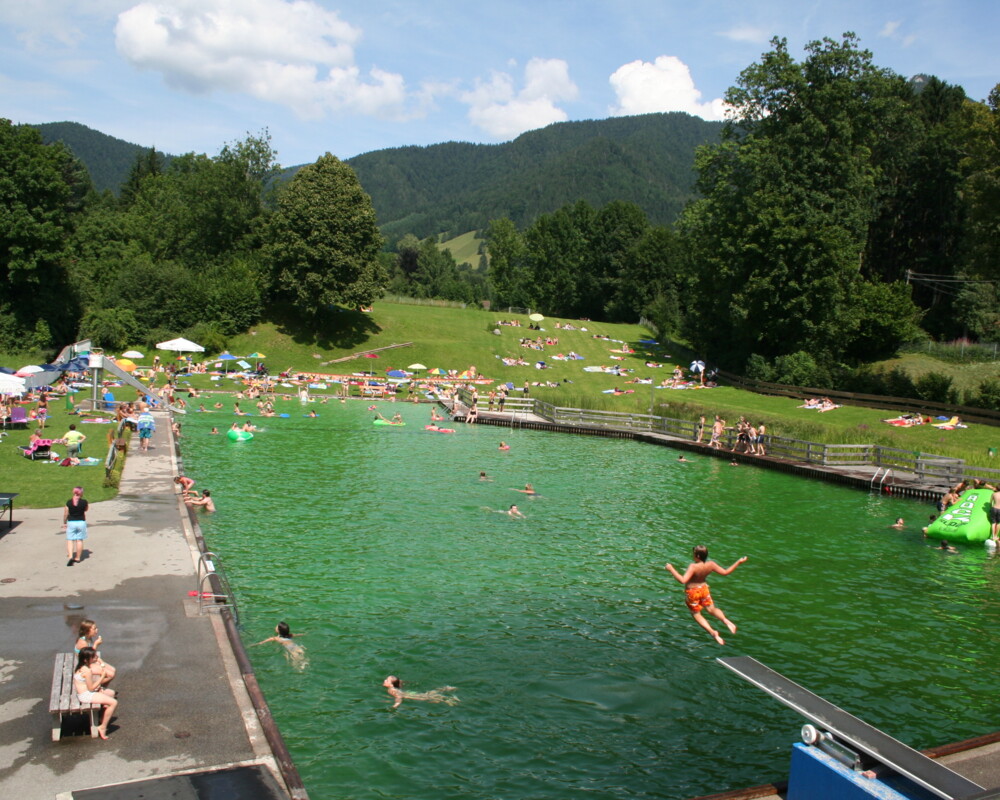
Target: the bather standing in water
(394, 686)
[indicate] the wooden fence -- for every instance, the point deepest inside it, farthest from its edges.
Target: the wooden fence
(926, 467)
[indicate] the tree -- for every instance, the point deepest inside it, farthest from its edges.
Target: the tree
(323, 242)
(508, 271)
(789, 194)
(42, 189)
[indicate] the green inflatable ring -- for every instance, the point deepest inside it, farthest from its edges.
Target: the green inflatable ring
(239, 436)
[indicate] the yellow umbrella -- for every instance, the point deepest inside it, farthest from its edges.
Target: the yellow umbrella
(125, 364)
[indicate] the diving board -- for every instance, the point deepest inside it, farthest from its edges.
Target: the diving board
(851, 731)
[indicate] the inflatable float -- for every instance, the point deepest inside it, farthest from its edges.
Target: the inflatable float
(239, 436)
(966, 521)
(436, 429)
(388, 422)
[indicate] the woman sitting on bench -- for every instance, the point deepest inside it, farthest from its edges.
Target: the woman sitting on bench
(87, 683)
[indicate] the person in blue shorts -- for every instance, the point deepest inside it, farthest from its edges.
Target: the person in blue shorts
(145, 425)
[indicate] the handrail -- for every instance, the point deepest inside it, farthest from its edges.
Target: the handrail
(221, 594)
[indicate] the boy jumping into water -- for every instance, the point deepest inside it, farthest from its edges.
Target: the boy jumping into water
(696, 589)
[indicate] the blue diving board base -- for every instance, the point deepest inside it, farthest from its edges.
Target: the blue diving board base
(854, 733)
(815, 775)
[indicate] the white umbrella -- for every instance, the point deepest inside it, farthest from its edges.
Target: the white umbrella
(416, 366)
(11, 384)
(181, 345)
(536, 317)
(31, 369)
(132, 354)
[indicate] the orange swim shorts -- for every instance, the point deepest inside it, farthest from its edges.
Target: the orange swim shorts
(697, 597)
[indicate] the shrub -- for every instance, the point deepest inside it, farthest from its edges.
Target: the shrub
(936, 387)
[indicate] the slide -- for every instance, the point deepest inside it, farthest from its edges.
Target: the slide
(113, 369)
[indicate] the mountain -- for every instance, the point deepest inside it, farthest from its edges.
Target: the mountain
(107, 159)
(456, 187)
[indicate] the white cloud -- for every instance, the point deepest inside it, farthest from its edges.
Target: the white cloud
(41, 23)
(747, 33)
(289, 52)
(889, 29)
(503, 112)
(663, 85)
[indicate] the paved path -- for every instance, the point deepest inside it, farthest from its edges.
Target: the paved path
(182, 705)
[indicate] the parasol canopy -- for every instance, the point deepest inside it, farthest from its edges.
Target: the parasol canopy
(125, 364)
(397, 373)
(11, 384)
(536, 317)
(416, 366)
(132, 354)
(371, 355)
(181, 345)
(437, 371)
(256, 355)
(31, 369)
(697, 366)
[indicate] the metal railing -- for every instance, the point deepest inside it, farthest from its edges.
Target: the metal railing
(928, 467)
(213, 590)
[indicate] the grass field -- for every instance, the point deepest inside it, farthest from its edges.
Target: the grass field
(452, 338)
(464, 248)
(44, 485)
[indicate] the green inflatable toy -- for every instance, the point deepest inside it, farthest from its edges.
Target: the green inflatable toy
(966, 521)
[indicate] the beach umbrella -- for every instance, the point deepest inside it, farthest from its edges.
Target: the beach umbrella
(536, 317)
(397, 373)
(31, 369)
(11, 384)
(371, 355)
(125, 364)
(416, 366)
(437, 371)
(226, 357)
(697, 366)
(181, 345)
(132, 354)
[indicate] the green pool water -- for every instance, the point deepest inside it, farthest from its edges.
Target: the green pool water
(578, 667)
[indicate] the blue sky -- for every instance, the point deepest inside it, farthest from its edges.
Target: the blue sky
(348, 77)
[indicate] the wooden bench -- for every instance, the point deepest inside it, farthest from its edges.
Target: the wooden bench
(64, 701)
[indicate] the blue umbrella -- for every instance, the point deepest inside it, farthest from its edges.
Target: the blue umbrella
(227, 357)
(397, 373)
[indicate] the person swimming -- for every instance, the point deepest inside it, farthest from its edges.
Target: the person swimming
(394, 686)
(294, 652)
(504, 446)
(528, 489)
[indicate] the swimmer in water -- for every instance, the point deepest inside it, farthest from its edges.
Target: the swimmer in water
(214, 431)
(515, 513)
(483, 476)
(312, 413)
(394, 686)
(898, 524)
(947, 548)
(528, 489)
(683, 460)
(504, 446)
(294, 652)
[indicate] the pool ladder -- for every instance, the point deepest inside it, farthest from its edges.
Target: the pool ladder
(885, 475)
(206, 591)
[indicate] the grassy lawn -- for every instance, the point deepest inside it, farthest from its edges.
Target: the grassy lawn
(453, 338)
(46, 485)
(464, 248)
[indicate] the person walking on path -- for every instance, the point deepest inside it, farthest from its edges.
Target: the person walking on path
(697, 595)
(145, 425)
(75, 525)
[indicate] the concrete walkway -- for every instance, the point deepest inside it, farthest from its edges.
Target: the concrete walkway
(182, 703)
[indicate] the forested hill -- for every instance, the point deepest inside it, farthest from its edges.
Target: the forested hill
(108, 160)
(456, 187)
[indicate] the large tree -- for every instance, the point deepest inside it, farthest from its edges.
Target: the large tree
(42, 187)
(778, 240)
(323, 242)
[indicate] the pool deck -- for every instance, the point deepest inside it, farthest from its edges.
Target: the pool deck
(183, 706)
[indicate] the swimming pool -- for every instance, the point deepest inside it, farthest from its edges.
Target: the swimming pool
(577, 664)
